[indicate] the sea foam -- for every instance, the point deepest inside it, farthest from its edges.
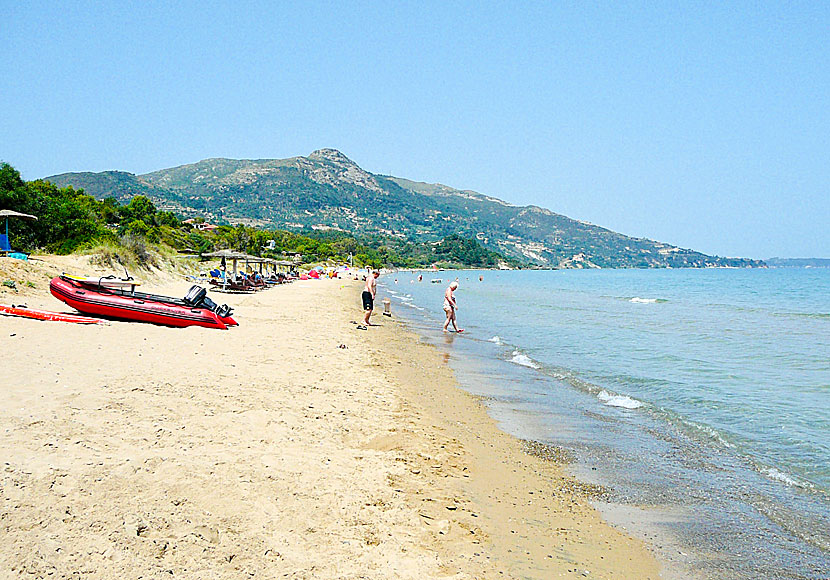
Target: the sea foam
(778, 475)
(618, 400)
(708, 431)
(496, 339)
(523, 360)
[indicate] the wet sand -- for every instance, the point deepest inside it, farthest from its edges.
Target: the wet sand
(292, 446)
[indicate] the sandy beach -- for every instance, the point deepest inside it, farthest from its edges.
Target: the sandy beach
(292, 446)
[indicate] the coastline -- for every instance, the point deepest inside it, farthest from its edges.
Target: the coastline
(270, 450)
(537, 516)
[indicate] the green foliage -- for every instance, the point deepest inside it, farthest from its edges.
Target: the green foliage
(301, 194)
(133, 234)
(69, 219)
(334, 246)
(128, 251)
(140, 208)
(137, 228)
(454, 248)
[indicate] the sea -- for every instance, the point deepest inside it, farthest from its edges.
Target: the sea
(697, 399)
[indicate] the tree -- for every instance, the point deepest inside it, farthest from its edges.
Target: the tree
(139, 208)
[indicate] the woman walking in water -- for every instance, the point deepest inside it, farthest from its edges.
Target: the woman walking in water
(450, 307)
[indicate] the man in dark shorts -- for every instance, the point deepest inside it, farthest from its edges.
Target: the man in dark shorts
(369, 297)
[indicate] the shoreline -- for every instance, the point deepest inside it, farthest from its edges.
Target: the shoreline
(541, 351)
(539, 518)
(268, 449)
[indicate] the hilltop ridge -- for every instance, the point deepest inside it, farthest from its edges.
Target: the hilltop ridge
(328, 190)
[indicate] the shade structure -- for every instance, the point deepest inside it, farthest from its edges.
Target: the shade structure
(11, 213)
(226, 254)
(7, 213)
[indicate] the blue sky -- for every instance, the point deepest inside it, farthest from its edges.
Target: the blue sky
(705, 125)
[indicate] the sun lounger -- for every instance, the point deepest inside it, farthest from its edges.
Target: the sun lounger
(5, 248)
(231, 286)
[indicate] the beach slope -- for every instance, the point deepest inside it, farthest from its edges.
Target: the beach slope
(292, 446)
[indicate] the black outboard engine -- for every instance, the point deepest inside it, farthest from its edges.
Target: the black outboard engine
(221, 311)
(197, 297)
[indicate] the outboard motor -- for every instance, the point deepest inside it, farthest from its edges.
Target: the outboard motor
(197, 297)
(221, 311)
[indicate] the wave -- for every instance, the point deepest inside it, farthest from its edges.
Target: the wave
(524, 360)
(816, 315)
(768, 310)
(496, 339)
(777, 475)
(618, 400)
(638, 300)
(707, 432)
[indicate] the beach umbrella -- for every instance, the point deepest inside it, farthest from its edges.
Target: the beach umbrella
(7, 213)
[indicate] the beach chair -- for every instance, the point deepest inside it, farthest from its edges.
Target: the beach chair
(5, 248)
(199, 278)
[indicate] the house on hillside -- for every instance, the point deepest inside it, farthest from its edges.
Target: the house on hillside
(201, 225)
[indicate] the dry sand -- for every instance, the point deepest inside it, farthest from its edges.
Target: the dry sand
(292, 446)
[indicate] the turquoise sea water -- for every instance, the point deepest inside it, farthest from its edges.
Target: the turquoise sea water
(700, 398)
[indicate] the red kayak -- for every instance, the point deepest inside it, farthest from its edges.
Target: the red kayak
(195, 309)
(46, 315)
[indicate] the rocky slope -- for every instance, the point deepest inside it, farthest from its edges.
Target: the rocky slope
(327, 190)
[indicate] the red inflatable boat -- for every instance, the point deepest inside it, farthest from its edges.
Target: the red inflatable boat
(195, 309)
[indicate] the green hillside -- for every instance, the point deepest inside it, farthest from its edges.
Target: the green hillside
(328, 191)
(137, 234)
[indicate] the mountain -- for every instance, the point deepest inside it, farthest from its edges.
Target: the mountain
(798, 262)
(327, 190)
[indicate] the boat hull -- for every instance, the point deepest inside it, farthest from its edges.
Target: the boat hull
(104, 302)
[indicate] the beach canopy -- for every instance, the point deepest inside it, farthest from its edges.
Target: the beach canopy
(226, 254)
(7, 213)
(234, 255)
(257, 259)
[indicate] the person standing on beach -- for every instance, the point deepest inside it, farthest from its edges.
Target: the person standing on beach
(369, 296)
(450, 307)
